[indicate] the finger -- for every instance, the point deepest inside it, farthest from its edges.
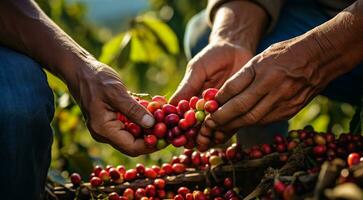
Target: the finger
(252, 117)
(238, 105)
(134, 111)
(236, 84)
(125, 141)
(191, 85)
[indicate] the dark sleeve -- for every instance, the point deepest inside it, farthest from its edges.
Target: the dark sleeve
(272, 8)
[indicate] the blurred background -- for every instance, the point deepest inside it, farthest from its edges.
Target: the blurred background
(142, 40)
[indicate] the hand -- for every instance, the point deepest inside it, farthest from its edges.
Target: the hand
(210, 68)
(272, 86)
(101, 94)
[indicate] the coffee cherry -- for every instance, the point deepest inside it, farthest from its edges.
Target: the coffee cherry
(130, 174)
(183, 124)
(156, 168)
(176, 131)
(353, 159)
(291, 145)
(216, 191)
(179, 141)
(199, 195)
(172, 120)
(319, 150)
(183, 106)
(189, 116)
(140, 168)
(209, 93)
(95, 181)
(160, 99)
(161, 143)
(150, 140)
(266, 149)
(279, 187)
(160, 183)
(183, 191)
(121, 169)
(161, 194)
(189, 196)
(153, 106)
(329, 137)
(150, 173)
(160, 130)
(97, 169)
(150, 190)
(76, 179)
(280, 148)
(319, 139)
(144, 103)
(196, 159)
(278, 138)
(114, 174)
(193, 102)
(200, 105)
(289, 192)
(178, 197)
(188, 152)
(139, 193)
(191, 133)
(231, 153)
(255, 153)
(178, 168)
(134, 129)
(104, 175)
(169, 109)
(129, 193)
(167, 168)
(175, 159)
(215, 160)
(200, 115)
(159, 115)
(211, 106)
(184, 159)
(228, 183)
(113, 196)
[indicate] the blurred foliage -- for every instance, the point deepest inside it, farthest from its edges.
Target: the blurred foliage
(149, 59)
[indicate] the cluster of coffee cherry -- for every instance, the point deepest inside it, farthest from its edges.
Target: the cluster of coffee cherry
(177, 125)
(156, 191)
(324, 147)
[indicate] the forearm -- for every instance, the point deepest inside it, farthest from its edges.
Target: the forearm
(26, 28)
(337, 45)
(239, 22)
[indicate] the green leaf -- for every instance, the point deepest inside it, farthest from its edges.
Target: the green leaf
(165, 35)
(125, 50)
(112, 49)
(143, 46)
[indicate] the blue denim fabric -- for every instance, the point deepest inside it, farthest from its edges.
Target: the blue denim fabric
(296, 18)
(26, 107)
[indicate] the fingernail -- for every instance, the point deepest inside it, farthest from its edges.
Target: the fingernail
(147, 121)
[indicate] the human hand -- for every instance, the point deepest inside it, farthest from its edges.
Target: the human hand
(210, 68)
(272, 86)
(101, 94)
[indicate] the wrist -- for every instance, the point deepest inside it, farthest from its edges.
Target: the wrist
(239, 23)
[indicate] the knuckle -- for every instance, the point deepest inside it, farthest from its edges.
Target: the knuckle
(133, 109)
(240, 105)
(251, 118)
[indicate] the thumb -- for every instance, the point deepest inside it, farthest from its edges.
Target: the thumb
(191, 85)
(134, 111)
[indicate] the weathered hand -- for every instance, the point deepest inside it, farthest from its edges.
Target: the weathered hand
(272, 86)
(210, 68)
(101, 94)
